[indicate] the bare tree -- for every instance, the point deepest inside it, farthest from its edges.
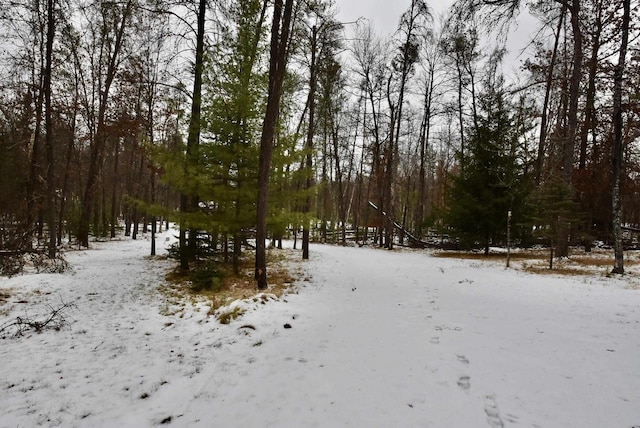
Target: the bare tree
(369, 54)
(431, 63)
(111, 35)
(413, 26)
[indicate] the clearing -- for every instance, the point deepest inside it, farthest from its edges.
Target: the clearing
(373, 339)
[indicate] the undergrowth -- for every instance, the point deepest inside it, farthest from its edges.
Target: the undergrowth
(215, 283)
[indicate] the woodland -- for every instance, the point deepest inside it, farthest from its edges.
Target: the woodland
(257, 120)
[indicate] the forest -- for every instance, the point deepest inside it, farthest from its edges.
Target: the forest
(262, 119)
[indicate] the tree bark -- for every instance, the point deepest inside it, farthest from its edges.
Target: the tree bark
(572, 118)
(277, 69)
(189, 201)
(589, 117)
(309, 142)
(425, 130)
(114, 188)
(547, 95)
(51, 187)
(618, 146)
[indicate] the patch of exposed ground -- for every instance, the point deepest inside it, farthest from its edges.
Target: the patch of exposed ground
(227, 287)
(579, 262)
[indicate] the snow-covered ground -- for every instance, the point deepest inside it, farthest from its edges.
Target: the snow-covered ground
(376, 339)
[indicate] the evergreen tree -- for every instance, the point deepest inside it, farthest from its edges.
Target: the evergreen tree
(553, 210)
(233, 119)
(491, 182)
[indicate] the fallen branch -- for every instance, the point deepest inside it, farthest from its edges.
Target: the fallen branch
(54, 320)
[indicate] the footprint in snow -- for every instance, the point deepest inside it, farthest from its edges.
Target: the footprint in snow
(464, 382)
(462, 359)
(493, 414)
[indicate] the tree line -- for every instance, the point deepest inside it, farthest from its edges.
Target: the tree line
(257, 119)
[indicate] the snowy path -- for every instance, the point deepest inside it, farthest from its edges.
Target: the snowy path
(377, 339)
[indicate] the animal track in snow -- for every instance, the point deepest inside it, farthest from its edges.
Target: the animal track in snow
(464, 382)
(493, 414)
(446, 327)
(462, 359)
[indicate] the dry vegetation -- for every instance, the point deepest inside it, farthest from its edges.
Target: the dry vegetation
(4, 295)
(227, 287)
(579, 262)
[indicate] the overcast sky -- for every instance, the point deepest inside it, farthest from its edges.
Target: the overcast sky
(385, 17)
(384, 14)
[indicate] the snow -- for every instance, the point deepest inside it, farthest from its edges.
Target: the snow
(376, 339)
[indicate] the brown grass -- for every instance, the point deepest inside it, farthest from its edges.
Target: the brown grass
(234, 287)
(520, 255)
(537, 261)
(4, 295)
(562, 270)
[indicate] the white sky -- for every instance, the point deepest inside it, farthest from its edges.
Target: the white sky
(385, 16)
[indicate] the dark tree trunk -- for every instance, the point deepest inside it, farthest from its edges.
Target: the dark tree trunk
(277, 68)
(237, 242)
(388, 178)
(114, 195)
(33, 192)
(589, 117)
(618, 144)
(547, 95)
(425, 130)
(309, 142)
(65, 180)
(572, 118)
(153, 217)
(51, 186)
(342, 206)
(189, 202)
(460, 112)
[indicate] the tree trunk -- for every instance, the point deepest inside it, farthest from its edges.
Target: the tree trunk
(309, 142)
(34, 193)
(342, 208)
(460, 113)
(65, 180)
(153, 217)
(388, 176)
(114, 195)
(51, 187)
(589, 117)
(425, 130)
(547, 95)
(189, 202)
(572, 118)
(277, 68)
(618, 144)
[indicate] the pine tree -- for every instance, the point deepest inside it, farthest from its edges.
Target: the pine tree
(553, 210)
(491, 182)
(233, 125)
